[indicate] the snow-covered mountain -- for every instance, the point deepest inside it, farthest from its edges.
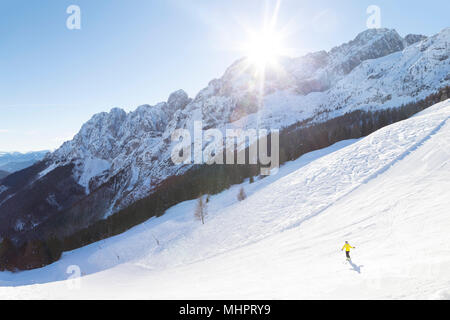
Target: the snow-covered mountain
(118, 158)
(388, 194)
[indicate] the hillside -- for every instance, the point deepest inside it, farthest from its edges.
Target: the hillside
(386, 193)
(3, 174)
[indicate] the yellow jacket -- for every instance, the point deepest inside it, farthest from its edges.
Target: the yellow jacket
(347, 247)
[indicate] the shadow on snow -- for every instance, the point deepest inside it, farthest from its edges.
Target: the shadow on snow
(355, 267)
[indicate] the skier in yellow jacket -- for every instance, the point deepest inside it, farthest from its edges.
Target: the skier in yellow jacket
(347, 248)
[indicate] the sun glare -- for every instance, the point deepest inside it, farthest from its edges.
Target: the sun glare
(264, 49)
(264, 46)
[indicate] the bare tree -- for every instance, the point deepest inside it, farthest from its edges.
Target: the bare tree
(241, 195)
(201, 210)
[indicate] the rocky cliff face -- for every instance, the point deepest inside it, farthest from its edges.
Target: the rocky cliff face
(118, 158)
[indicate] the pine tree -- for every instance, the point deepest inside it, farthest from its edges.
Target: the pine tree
(7, 250)
(54, 247)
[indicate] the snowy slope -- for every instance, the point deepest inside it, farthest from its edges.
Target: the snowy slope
(388, 194)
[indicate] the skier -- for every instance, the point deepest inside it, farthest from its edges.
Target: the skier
(347, 248)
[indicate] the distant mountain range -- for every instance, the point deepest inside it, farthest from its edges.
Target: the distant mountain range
(11, 162)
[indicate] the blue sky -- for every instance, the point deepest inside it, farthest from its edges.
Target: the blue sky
(135, 52)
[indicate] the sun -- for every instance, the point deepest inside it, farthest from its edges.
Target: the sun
(265, 45)
(264, 48)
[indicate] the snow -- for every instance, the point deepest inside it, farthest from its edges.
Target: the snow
(19, 225)
(47, 170)
(51, 200)
(387, 194)
(3, 189)
(92, 167)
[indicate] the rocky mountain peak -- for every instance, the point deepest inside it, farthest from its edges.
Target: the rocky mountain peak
(178, 100)
(414, 38)
(369, 44)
